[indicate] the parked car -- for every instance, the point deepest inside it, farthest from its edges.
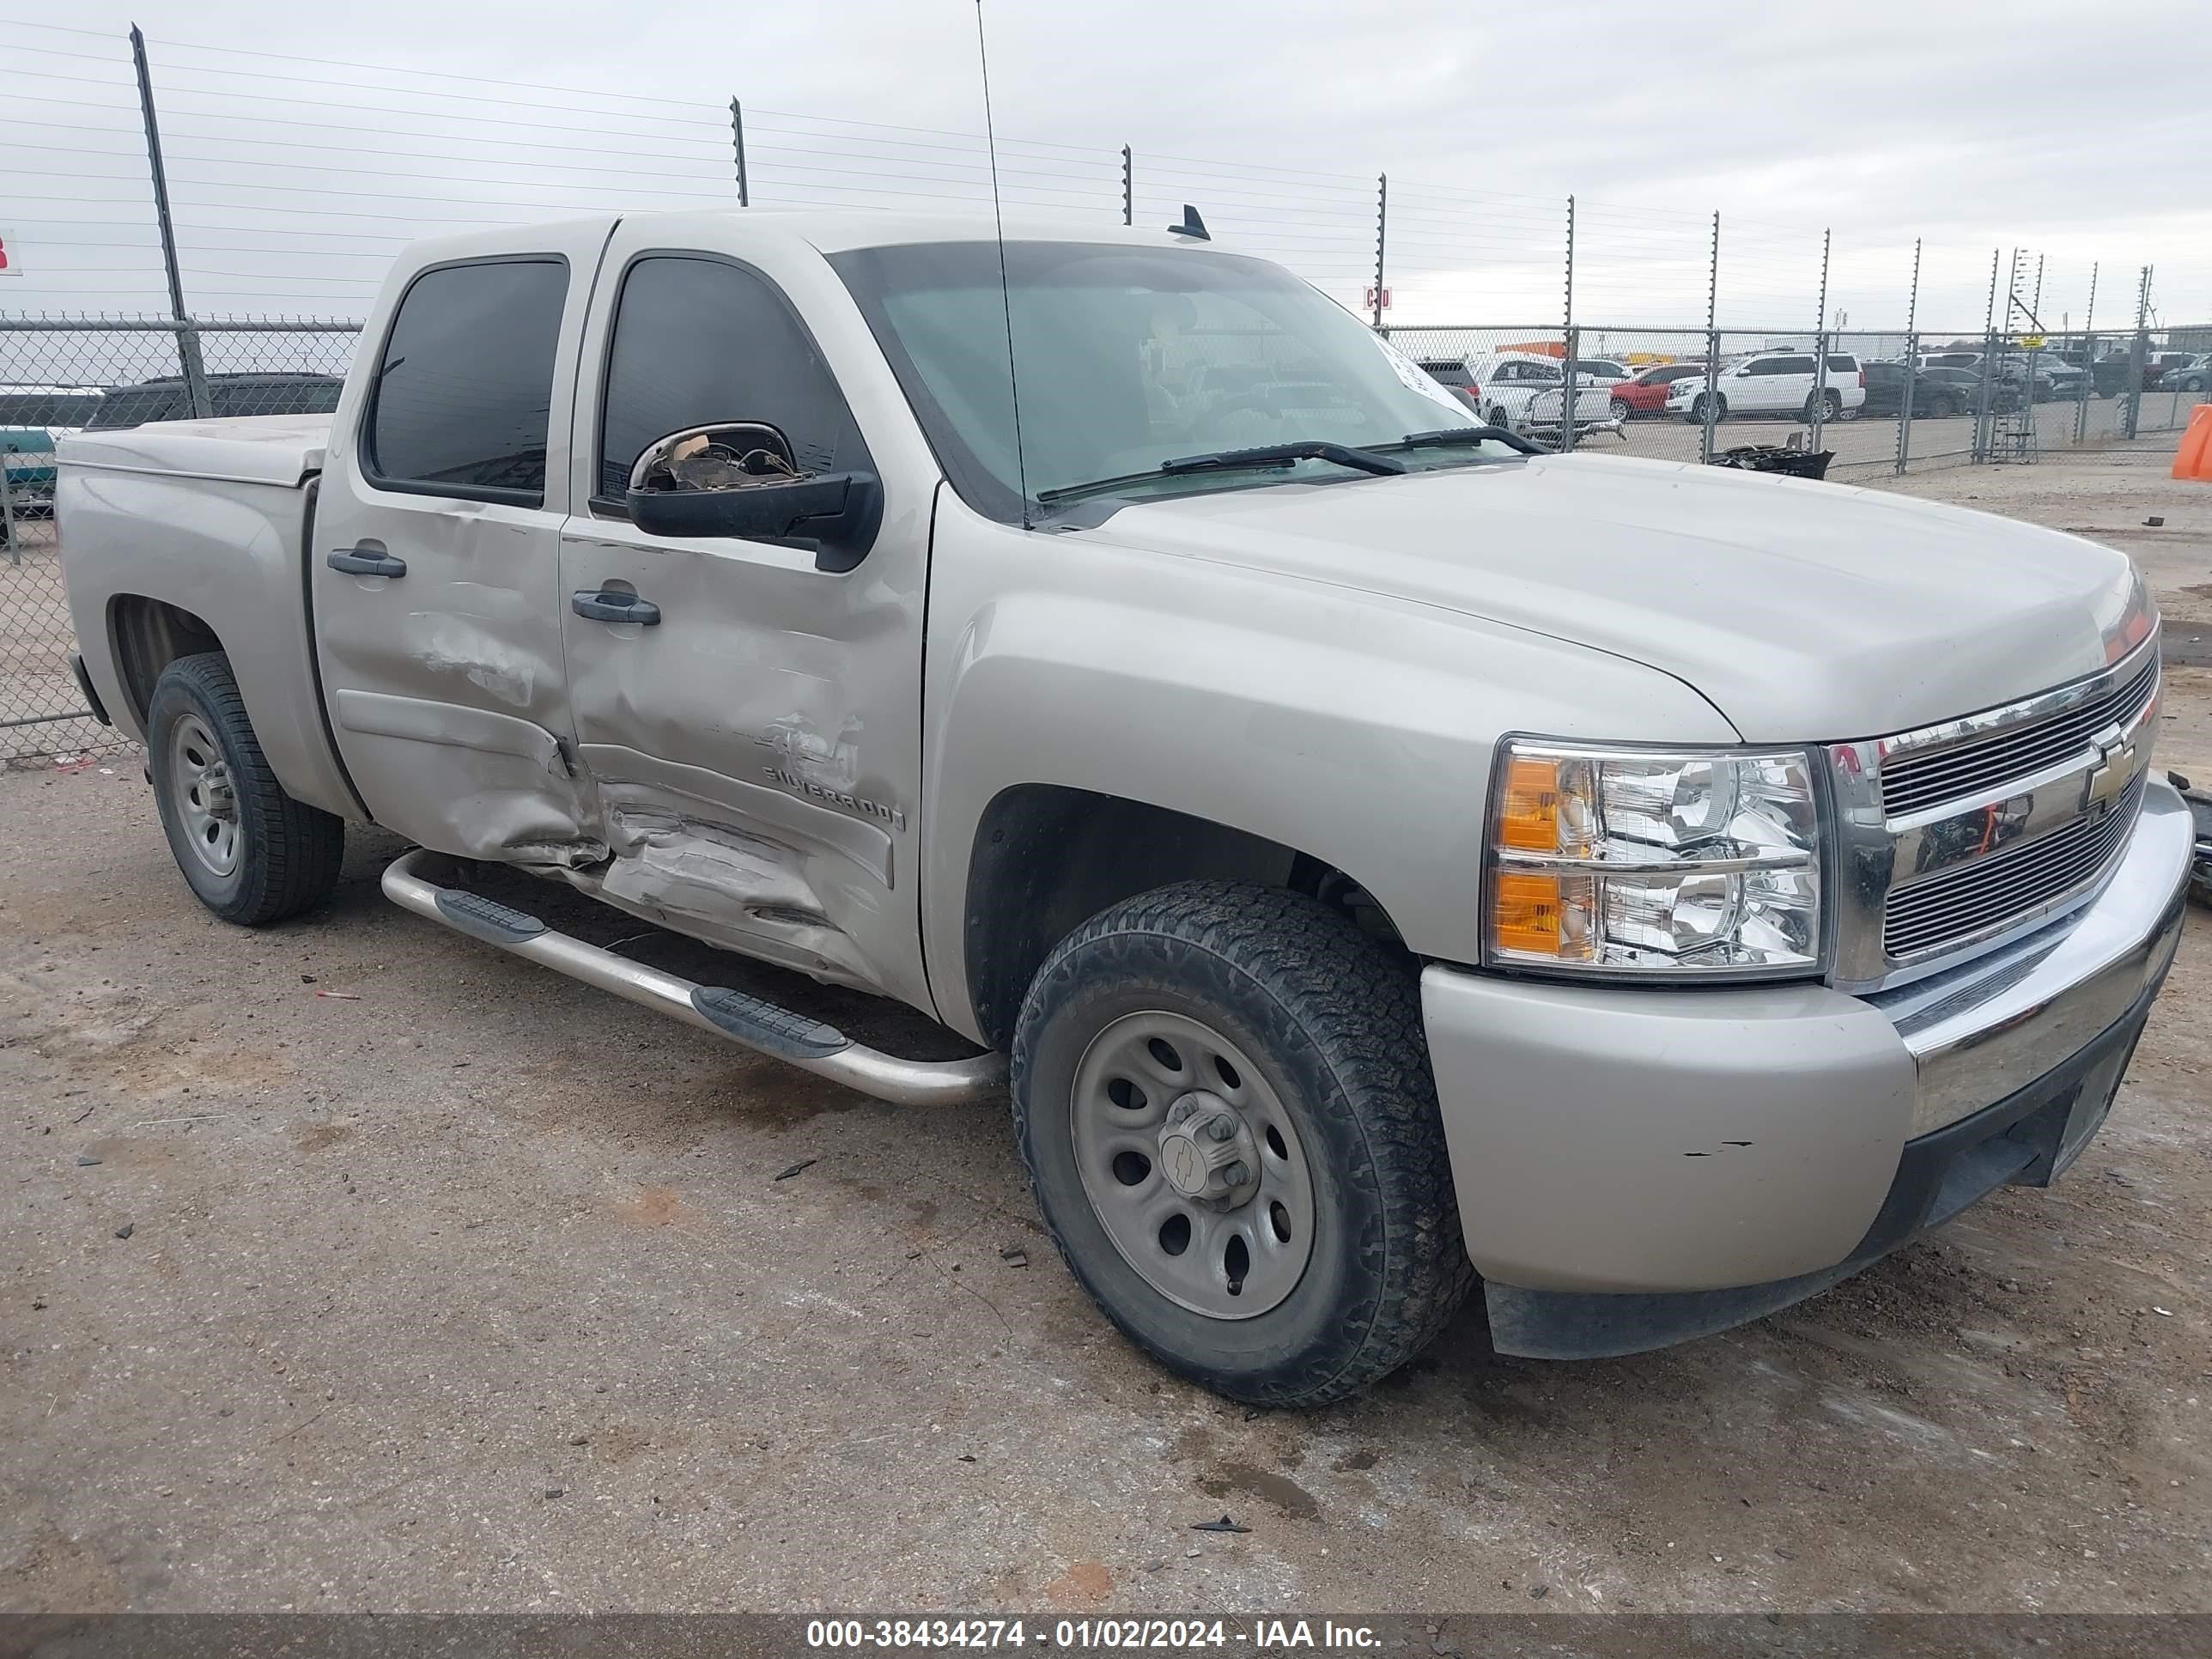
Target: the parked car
(2158, 364)
(31, 418)
(1965, 385)
(1523, 392)
(1452, 375)
(1601, 371)
(2194, 375)
(1772, 383)
(1645, 393)
(170, 399)
(1932, 399)
(1394, 859)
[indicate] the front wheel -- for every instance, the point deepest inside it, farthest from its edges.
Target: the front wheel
(249, 852)
(1698, 407)
(1621, 412)
(1223, 1097)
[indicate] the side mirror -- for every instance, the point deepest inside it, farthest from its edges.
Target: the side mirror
(741, 480)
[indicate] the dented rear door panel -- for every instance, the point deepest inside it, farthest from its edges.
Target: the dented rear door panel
(446, 686)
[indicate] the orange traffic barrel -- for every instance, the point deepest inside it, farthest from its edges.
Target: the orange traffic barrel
(2194, 459)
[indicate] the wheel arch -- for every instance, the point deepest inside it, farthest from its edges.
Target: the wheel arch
(1047, 857)
(146, 635)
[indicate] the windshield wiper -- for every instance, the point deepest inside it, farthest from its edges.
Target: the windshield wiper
(1302, 449)
(1452, 436)
(1233, 460)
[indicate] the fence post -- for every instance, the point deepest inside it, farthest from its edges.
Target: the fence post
(2088, 362)
(1382, 236)
(1820, 410)
(1904, 408)
(1567, 342)
(1911, 363)
(188, 342)
(737, 142)
(1982, 392)
(7, 514)
(1129, 187)
(1712, 394)
(2138, 357)
(1712, 345)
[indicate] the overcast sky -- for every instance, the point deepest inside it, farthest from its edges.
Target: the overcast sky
(2078, 135)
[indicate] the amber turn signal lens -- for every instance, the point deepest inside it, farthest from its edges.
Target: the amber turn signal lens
(1527, 913)
(1529, 821)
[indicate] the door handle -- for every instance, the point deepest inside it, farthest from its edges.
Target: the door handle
(605, 607)
(366, 562)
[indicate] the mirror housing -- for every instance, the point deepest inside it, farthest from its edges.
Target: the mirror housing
(739, 480)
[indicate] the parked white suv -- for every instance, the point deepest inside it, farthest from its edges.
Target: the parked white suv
(1777, 383)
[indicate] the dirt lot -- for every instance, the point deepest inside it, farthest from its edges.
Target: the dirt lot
(350, 1264)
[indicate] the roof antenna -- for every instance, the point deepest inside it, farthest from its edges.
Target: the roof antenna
(1006, 295)
(1192, 224)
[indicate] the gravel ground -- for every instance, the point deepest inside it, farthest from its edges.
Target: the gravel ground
(351, 1265)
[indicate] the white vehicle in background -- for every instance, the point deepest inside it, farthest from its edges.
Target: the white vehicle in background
(1525, 394)
(1602, 371)
(1777, 383)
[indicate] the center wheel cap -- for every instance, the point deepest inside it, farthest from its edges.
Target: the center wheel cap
(1206, 1151)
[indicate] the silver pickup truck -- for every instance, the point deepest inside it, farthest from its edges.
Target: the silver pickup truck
(1378, 856)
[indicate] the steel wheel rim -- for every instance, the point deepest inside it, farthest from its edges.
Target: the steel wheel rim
(206, 800)
(1125, 1097)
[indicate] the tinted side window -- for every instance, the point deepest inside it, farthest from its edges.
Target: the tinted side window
(464, 389)
(1843, 365)
(1784, 365)
(703, 343)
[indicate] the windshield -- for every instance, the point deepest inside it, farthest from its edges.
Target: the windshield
(1130, 356)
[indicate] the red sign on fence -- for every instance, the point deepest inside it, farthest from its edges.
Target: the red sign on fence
(1377, 299)
(9, 267)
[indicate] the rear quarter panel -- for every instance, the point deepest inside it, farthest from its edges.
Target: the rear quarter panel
(228, 551)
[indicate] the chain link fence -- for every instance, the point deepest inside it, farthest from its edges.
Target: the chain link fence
(1876, 402)
(62, 374)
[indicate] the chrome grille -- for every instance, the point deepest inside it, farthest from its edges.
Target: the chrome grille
(1975, 897)
(1914, 782)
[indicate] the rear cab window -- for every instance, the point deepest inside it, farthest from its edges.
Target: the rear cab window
(463, 392)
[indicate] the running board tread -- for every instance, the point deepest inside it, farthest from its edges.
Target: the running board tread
(487, 919)
(761, 1023)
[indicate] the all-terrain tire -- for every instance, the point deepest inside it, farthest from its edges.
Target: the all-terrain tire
(1336, 1023)
(288, 852)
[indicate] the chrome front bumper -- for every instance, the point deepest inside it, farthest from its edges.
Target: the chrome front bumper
(1612, 1141)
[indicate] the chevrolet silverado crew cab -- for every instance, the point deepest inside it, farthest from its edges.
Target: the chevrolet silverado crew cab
(1379, 856)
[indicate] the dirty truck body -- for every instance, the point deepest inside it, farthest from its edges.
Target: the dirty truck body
(1658, 890)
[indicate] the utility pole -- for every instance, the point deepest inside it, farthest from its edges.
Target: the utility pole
(188, 339)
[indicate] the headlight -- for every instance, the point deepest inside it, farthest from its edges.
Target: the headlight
(1643, 862)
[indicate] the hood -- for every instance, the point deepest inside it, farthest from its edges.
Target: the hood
(1804, 612)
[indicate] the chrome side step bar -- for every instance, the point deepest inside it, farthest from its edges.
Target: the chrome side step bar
(807, 1043)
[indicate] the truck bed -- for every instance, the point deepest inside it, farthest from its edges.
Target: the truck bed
(207, 519)
(283, 450)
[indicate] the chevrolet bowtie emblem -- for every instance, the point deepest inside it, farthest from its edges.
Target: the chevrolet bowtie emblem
(2104, 783)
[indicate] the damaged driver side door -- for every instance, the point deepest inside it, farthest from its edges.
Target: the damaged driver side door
(745, 707)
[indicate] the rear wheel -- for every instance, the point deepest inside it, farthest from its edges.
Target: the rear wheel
(248, 850)
(1223, 1096)
(1821, 406)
